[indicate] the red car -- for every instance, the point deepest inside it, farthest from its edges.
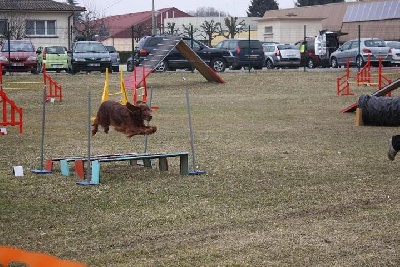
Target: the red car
(19, 56)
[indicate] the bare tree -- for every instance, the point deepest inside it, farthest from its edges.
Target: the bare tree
(207, 12)
(188, 30)
(170, 28)
(89, 26)
(15, 25)
(210, 30)
(233, 27)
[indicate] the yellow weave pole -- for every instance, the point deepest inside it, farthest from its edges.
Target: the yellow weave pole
(122, 88)
(106, 88)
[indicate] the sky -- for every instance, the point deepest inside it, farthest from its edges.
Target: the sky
(235, 8)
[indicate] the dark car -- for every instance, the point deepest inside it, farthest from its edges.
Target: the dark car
(115, 59)
(88, 56)
(20, 56)
(217, 59)
(247, 53)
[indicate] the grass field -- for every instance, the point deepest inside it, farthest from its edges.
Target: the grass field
(291, 181)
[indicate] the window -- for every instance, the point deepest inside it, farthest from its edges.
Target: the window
(268, 30)
(40, 27)
(3, 27)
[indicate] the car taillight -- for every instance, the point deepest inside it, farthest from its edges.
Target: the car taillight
(237, 49)
(277, 53)
(366, 51)
(143, 52)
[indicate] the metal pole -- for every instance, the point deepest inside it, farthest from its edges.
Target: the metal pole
(43, 123)
(89, 167)
(305, 48)
(146, 136)
(359, 45)
(190, 129)
(249, 50)
(153, 19)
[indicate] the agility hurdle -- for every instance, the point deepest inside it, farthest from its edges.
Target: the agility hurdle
(131, 157)
(53, 89)
(15, 116)
(363, 77)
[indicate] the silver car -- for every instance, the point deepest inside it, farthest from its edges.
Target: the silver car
(395, 46)
(358, 52)
(281, 55)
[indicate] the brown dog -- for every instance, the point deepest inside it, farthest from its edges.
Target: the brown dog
(128, 119)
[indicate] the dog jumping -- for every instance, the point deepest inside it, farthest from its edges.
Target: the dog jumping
(128, 119)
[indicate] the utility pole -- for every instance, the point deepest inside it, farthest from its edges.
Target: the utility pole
(153, 19)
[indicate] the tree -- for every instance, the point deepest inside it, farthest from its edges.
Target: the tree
(187, 30)
(77, 15)
(301, 3)
(232, 26)
(89, 27)
(170, 28)
(210, 30)
(207, 12)
(257, 8)
(14, 25)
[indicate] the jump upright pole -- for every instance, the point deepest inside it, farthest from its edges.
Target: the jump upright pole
(195, 171)
(42, 170)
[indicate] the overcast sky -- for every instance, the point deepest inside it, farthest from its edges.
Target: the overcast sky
(236, 8)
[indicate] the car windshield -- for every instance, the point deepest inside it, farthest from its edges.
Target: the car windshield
(18, 47)
(111, 49)
(286, 47)
(90, 47)
(55, 50)
(375, 43)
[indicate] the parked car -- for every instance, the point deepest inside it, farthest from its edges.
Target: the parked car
(115, 59)
(281, 56)
(88, 56)
(217, 59)
(247, 53)
(55, 57)
(315, 51)
(19, 56)
(357, 51)
(395, 46)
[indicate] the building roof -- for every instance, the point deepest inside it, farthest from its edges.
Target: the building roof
(37, 5)
(331, 15)
(119, 24)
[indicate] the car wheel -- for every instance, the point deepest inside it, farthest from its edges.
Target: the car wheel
(130, 66)
(73, 70)
(334, 62)
(162, 66)
(269, 64)
(218, 64)
(360, 61)
(310, 63)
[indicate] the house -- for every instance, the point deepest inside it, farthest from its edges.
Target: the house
(41, 21)
(122, 31)
(373, 18)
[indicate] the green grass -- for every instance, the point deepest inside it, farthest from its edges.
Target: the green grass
(291, 181)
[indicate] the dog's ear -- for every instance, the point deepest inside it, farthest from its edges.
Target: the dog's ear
(132, 107)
